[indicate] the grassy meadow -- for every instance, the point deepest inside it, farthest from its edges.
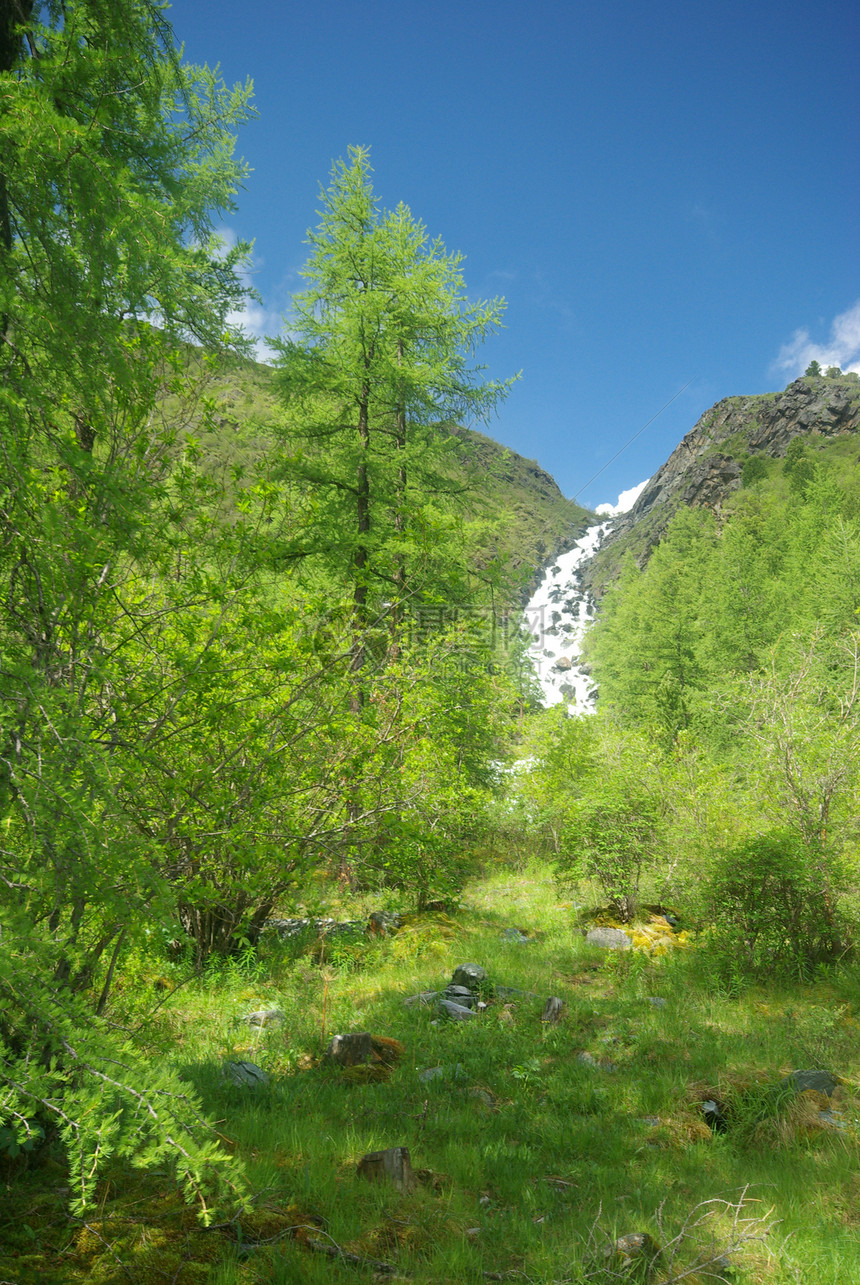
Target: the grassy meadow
(530, 1158)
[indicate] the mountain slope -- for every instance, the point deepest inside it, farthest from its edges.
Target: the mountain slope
(713, 460)
(530, 520)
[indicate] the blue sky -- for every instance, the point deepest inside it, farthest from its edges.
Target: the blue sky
(663, 194)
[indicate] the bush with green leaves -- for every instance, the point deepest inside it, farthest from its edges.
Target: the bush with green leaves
(768, 906)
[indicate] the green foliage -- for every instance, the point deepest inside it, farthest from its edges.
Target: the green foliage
(768, 906)
(753, 470)
(117, 161)
(813, 369)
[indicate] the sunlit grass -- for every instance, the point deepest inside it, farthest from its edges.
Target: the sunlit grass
(529, 1152)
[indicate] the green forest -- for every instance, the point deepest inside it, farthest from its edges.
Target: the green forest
(273, 763)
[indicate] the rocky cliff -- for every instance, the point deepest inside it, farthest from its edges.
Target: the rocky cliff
(707, 465)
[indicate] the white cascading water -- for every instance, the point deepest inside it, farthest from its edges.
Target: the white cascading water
(558, 614)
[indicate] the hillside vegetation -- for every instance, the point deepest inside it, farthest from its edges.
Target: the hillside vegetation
(271, 764)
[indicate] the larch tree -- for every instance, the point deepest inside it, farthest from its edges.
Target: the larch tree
(115, 163)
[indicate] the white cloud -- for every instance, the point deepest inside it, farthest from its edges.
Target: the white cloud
(842, 349)
(255, 318)
(626, 500)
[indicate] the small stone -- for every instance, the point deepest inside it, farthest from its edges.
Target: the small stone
(457, 1012)
(656, 1000)
(553, 1010)
(515, 935)
(636, 1250)
(455, 1072)
(714, 1117)
(421, 999)
(245, 1075)
(265, 1017)
(608, 939)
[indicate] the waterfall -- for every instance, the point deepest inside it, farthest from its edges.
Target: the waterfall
(559, 612)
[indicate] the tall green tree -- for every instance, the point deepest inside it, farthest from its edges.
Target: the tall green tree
(115, 161)
(379, 358)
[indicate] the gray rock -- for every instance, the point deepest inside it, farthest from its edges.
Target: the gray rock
(456, 1012)
(472, 976)
(553, 1009)
(382, 923)
(817, 1081)
(455, 1072)
(588, 1059)
(461, 995)
(514, 934)
(608, 938)
(656, 1000)
(421, 999)
(830, 1120)
(245, 1075)
(265, 1017)
(353, 1049)
(512, 992)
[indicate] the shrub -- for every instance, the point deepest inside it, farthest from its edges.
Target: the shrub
(768, 905)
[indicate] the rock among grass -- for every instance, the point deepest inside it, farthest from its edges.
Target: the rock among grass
(245, 1075)
(608, 939)
(553, 1009)
(265, 1017)
(811, 1081)
(634, 1256)
(360, 1048)
(393, 1166)
(456, 1012)
(472, 976)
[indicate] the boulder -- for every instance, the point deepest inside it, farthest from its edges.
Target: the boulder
(608, 938)
(456, 1012)
(472, 976)
(816, 1081)
(353, 1049)
(245, 1075)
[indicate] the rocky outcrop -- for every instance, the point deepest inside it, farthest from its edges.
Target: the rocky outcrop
(706, 465)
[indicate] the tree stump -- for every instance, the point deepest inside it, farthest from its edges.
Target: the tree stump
(351, 1050)
(393, 1166)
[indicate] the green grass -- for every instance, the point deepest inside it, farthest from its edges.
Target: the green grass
(531, 1155)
